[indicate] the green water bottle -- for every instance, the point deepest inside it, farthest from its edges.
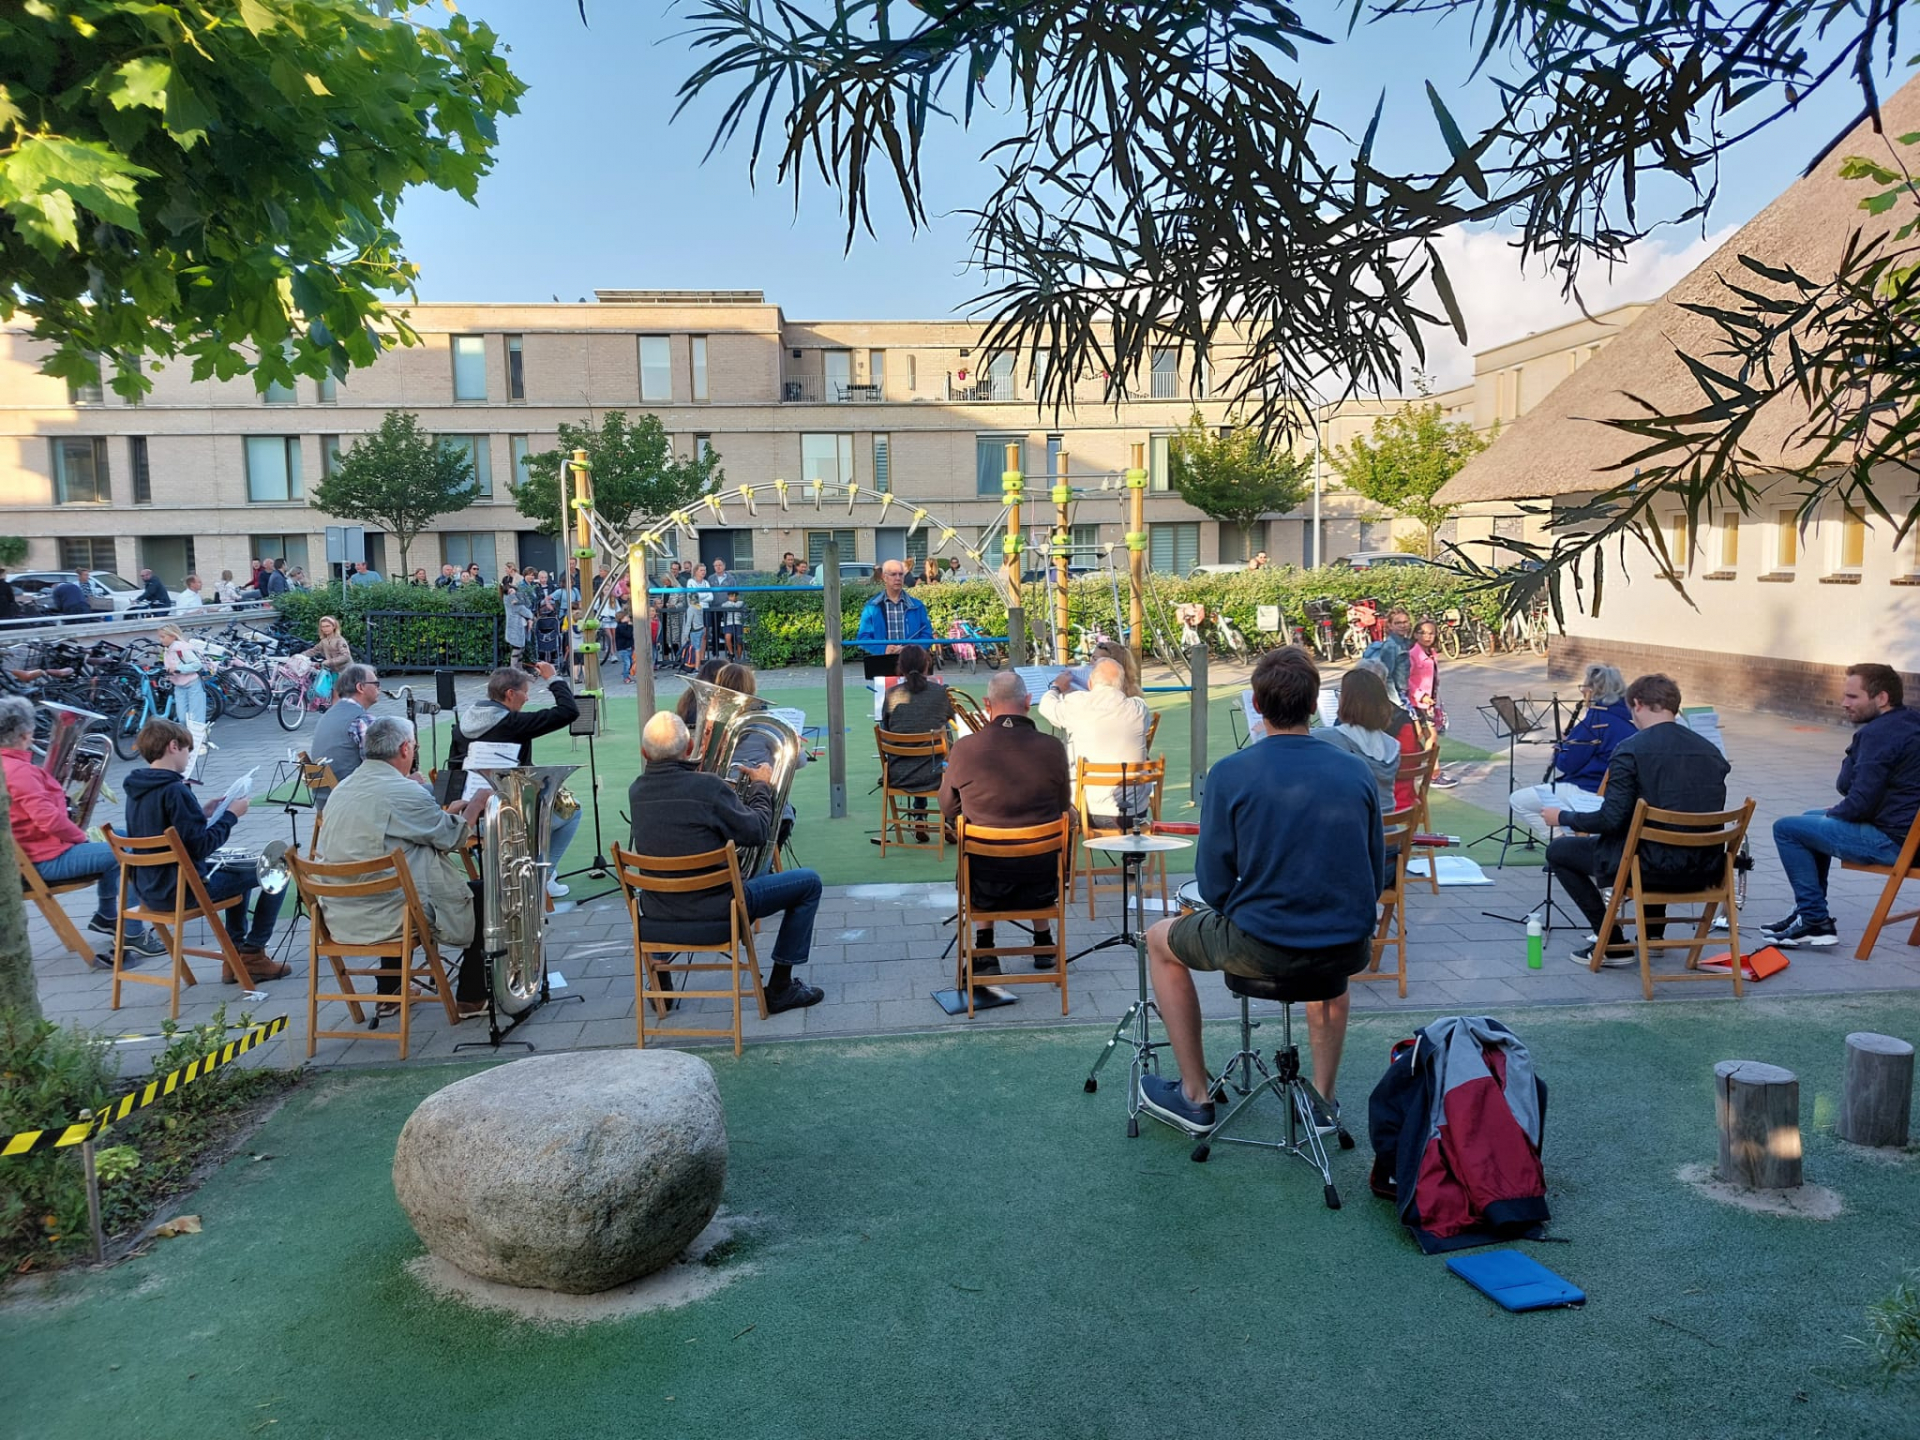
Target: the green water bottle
(1536, 942)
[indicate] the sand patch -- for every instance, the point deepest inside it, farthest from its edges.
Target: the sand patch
(1809, 1202)
(698, 1273)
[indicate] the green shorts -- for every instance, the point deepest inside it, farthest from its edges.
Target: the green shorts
(1208, 940)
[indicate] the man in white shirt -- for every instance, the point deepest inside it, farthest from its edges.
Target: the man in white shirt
(1105, 726)
(189, 598)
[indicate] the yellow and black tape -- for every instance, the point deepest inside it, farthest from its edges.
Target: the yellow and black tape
(28, 1141)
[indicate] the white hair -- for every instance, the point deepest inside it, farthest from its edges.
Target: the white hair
(1007, 690)
(16, 721)
(1106, 674)
(665, 738)
(385, 737)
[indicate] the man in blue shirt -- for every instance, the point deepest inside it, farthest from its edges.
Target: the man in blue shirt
(893, 617)
(73, 597)
(363, 574)
(1292, 861)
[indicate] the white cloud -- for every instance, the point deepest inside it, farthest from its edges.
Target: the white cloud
(1503, 302)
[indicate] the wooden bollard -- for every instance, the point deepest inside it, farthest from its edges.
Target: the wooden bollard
(1758, 1110)
(1876, 1100)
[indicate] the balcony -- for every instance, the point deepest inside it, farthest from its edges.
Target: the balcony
(980, 388)
(817, 390)
(1166, 384)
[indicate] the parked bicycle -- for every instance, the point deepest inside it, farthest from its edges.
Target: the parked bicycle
(156, 699)
(1462, 634)
(1320, 627)
(294, 678)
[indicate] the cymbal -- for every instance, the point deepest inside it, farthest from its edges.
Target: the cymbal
(1137, 844)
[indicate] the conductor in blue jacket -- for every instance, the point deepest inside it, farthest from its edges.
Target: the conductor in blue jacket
(1581, 758)
(893, 617)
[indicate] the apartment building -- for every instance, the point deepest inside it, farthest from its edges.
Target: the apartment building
(203, 475)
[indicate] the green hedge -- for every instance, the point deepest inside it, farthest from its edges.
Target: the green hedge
(302, 609)
(789, 629)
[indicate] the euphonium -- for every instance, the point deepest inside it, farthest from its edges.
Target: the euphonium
(515, 840)
(77, 755)
(721, 719)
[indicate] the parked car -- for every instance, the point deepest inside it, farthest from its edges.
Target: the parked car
(859, 571)
(111, 592)
(1374, 559)
(1233, 568)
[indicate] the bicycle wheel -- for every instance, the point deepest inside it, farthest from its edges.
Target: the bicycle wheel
(126, 729)
(245, 691)
(1450, 641)
(216, 701)
(291, 710)
(1537, 638)
(1353, 644)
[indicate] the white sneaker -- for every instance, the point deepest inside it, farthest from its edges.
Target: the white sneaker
(555, 889)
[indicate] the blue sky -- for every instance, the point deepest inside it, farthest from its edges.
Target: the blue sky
(596, 186)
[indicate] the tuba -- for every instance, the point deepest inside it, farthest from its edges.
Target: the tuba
(77, 755)
(515, 837)
(721, 719)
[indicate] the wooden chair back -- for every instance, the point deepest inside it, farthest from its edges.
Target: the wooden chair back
(1418, 770)
(190, 902)
(1905, 866)
(323, 881)
(1397, 830)
(41, 891)
(318, 777)
(1721, 830)
(1153, 728)
(654, 961)
(897, 814)
(1147, 775)
(978, 842)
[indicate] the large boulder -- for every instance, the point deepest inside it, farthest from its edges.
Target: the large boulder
(566, 1172)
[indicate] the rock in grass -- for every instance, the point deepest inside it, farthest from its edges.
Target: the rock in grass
(566, 1172)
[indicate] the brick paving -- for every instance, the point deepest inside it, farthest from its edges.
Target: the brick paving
(878, 947)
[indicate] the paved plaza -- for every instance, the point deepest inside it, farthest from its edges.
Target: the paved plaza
(881, 949)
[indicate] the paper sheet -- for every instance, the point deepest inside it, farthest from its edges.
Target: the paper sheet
(1256, 727)
(1330, 705)
(1704, 721)
(1454, 870)
(241, 787)
(1038, 678)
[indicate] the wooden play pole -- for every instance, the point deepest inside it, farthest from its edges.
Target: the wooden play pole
(1062, 550)
(836, 684)
(1137, 555)
(586, 626)
(642, 627)
(1011, 484)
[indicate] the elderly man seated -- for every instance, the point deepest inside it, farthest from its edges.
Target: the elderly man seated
(1009, 775)
(381, 806)
(679, 809)
(1104, 726)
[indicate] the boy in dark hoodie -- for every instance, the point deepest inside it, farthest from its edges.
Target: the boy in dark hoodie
(157, 797)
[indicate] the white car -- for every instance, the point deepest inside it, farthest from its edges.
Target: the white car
(111, 592)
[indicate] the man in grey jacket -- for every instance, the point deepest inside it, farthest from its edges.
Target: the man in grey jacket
(337, 737)
(519, 620)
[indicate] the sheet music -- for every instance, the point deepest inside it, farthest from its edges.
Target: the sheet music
(1704, 721)
(239, 789)
(793, 715)
(1256, 727)
(1038, 678)
(1329, 705)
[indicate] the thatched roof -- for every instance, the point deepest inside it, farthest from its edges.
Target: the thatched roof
(1562, 446)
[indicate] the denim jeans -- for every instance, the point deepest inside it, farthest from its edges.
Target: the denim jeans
(78, 862)
(222, 884)
(559, 838)
(1807, 845)
(797, 893)
(193, 701)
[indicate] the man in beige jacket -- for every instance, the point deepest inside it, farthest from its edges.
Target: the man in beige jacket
(380, 807)
(1104, 726)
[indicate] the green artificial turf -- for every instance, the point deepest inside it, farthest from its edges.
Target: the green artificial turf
(946, 1237)
(841, 851)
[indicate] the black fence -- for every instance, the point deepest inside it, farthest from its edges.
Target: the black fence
(430, 640)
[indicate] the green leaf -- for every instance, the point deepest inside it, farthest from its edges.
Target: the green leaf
(256, 16)
(141, 82)
(1463, 160)
(9, 112)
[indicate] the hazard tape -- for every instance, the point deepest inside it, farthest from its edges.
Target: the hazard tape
(28, 1141)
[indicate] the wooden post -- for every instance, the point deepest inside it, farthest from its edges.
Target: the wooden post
(1758, 1110)
(1197, 721)
(93, 1195)
(1012, 547)
(1062, 551)
(1876, 1100)
(1137, 552)
(586, 639)
(643, 700)
(836, 683)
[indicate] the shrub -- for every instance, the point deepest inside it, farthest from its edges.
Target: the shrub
(48, 1075)
(1893, 1327)
(420, 643)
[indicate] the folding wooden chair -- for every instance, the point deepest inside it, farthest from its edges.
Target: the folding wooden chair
(1691, 830)
(1149, 774)
(977, 842)
(1898, 873)
(896, 810)
(322, 882)
(190, 902)
(654, 959)
(1153, 726)
(1391, 934)
(41, 891)
(319, 779)
(1418, 771)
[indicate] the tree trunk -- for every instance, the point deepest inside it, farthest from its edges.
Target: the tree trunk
(17, 989)
(1758, 1109)
(1876, 1100)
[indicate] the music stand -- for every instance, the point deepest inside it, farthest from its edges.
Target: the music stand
(587, 723)
(1511, 724)
(1549, 907)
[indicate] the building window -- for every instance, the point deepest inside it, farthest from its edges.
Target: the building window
(1173, 549)
(278, 394)
(656, 368)
(329, 389)
(828, 458)
(142, 470)
(469, 367)
(479, 452)
(1679, 541)
(883, 463)
(913, 374)
(329, 455)
(273, 469)
(87, 553)
(1000, 377)
(1159, 467)
(80, 473)
(1055, 445)
(519, 449)
(1086, 545)
(1786, 539)
(877, 372)
(838, 366)
(817, 545)
(86, 392)
(702, 447)
(1730, 540)
(170, 557)
(990, 461)
(1166, 373)
(1041, 359)
(1853, 538)
(700, 367)
(462, 548)
(133, 366)
(290, 548)
(516, 374)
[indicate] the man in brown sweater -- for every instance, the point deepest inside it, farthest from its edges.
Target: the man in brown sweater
(1009, 774)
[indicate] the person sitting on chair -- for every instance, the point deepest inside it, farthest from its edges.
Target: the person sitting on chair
(678, 809)
(1879, 789)
(492, 733)
(916, 706)
(158, 797)
(382, 806)
(1103, 725)
(1365, 726)
(1581, 758)
(337, 737)
(1291, 862)
(1007, 776)
(46, 835)
(1671, 768)
(756, 746)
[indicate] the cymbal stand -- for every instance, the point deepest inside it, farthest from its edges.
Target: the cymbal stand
(1135, 1027)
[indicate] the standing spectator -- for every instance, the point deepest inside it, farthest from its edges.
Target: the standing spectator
(785, 572)
(363, 574)
(519, 619)
(257, 581)
(277, 582)
(699, 602)
(189, 598)
(226, 592)
(75, 596)
(9, 602)
(623, 643)
(334, 656)
(419, 580)
(449, 578)
(297, 578)
(1422, 698)
(474, 577)
(930, 573)
(803, 574)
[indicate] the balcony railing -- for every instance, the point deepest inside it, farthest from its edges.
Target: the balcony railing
(1166, 385)
(980, 388)
(815, 389)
